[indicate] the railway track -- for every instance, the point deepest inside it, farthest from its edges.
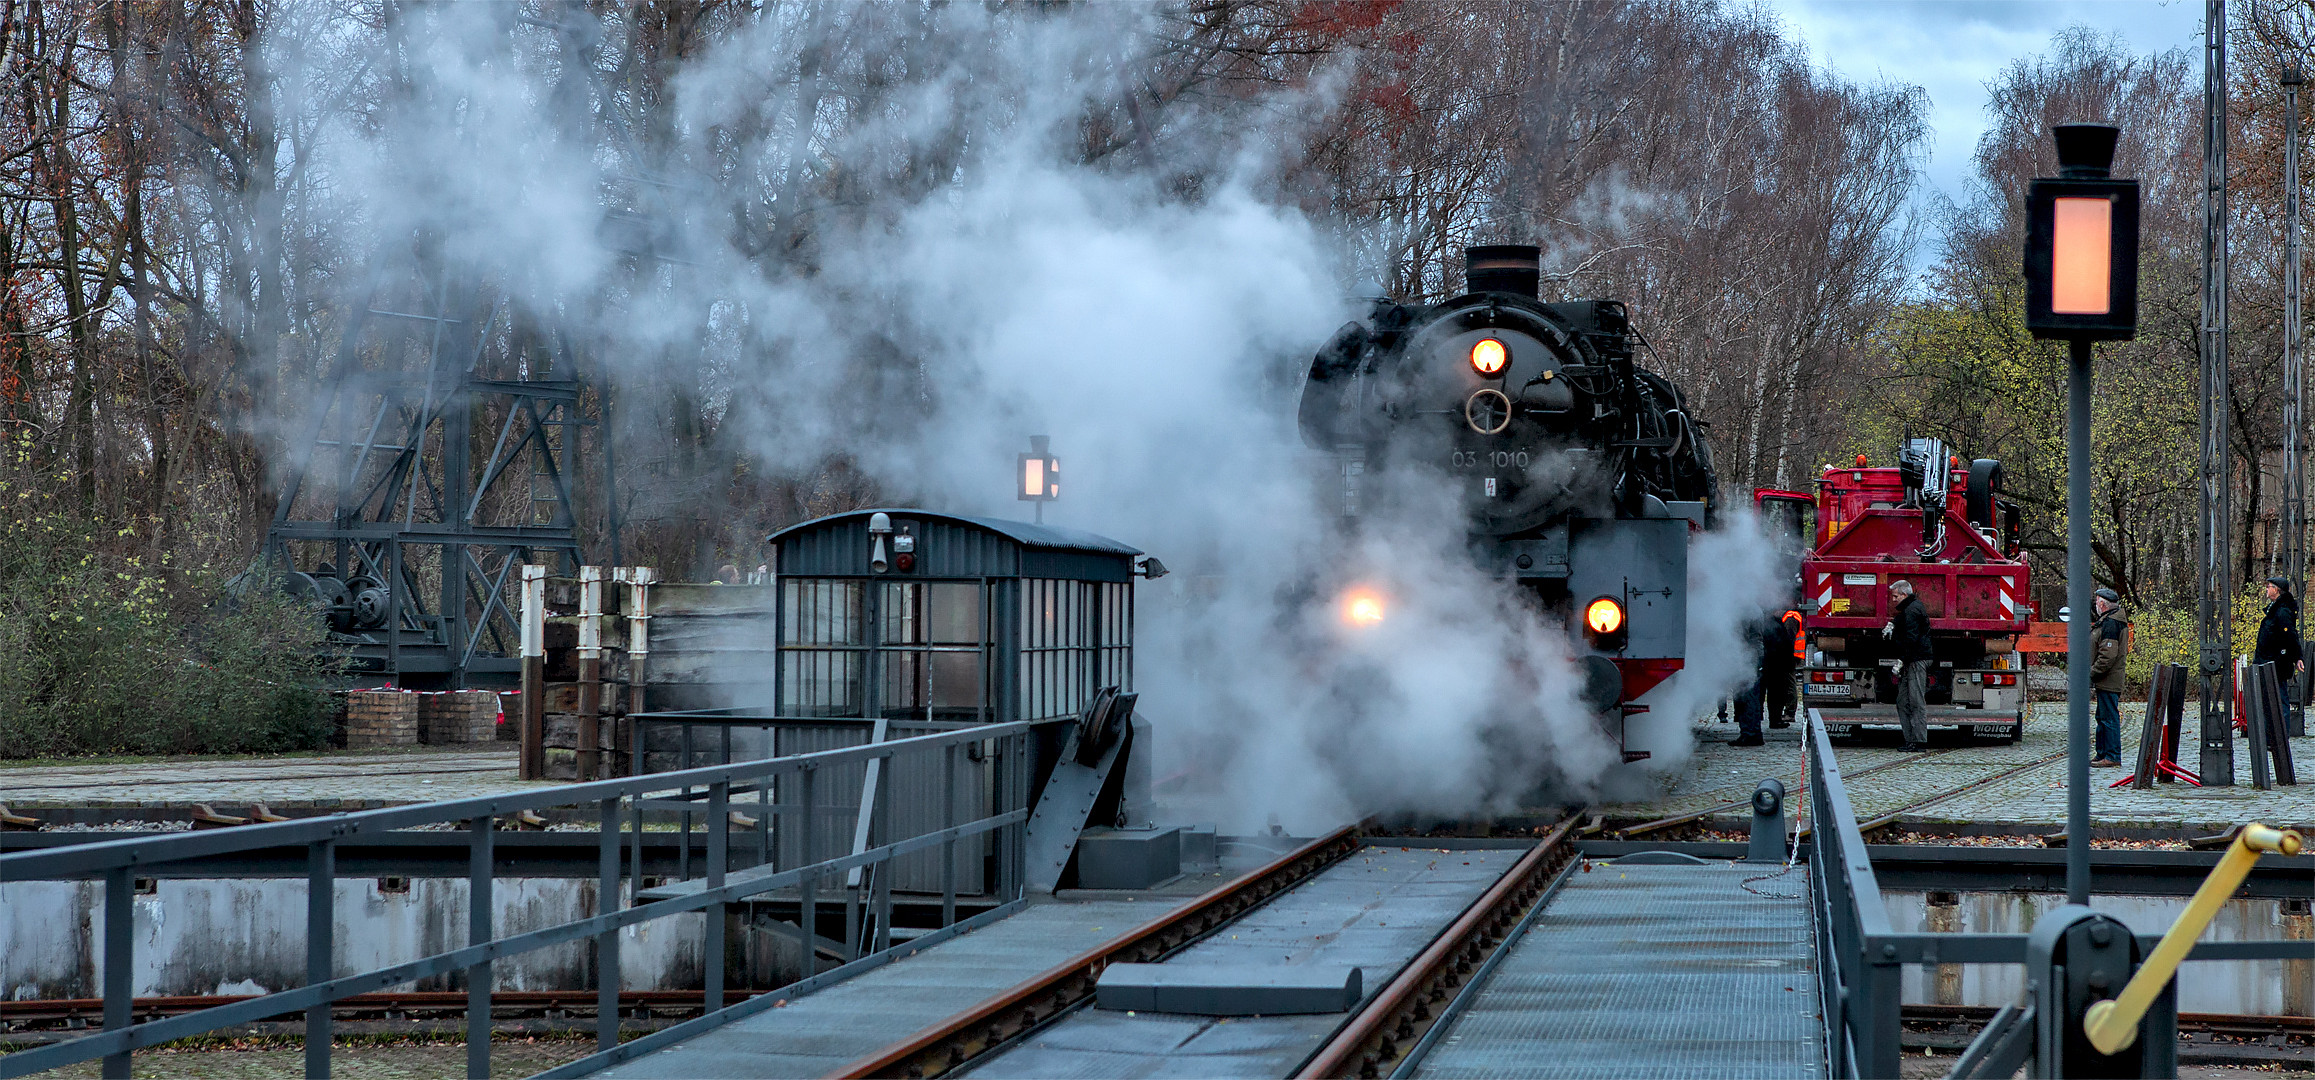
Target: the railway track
(1890, 816)
(345, 772)
(77, 1014)
(1030, 1006)
(1368, 1042)
(1400, 1021)
(2204, 1038)
(1645, 827)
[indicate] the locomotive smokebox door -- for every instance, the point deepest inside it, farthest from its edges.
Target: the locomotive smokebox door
(1646, 563)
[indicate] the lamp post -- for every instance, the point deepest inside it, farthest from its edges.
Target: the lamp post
(2081, 286)
(1037, 479)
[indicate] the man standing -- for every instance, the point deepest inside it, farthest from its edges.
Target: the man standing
(1908, 630)
(1779, 659)
(2279, 631)
(1770, 695)
(2279, 638)
(2108, 677)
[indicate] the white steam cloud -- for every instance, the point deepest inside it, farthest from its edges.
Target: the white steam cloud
(944, 318)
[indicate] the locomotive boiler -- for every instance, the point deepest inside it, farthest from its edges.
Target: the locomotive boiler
(1580, 474)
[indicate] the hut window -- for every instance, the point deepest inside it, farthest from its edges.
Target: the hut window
(823, 651)
(932, 645)
(1076, 636)
(1116, 643)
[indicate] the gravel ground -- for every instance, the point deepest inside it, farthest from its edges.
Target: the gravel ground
(345, 780)
(409, 1062)
(1919, 1067)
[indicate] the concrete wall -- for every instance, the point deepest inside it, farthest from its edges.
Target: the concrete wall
(2258, 988)
(248, 936)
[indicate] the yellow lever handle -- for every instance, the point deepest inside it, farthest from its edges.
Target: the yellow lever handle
(2112, 1024)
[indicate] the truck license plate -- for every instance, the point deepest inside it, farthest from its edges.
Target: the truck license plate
(1827, 689)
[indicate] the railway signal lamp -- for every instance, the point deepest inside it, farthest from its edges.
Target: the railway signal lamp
(1038, 476)
(2081, 286)
(2082, 243)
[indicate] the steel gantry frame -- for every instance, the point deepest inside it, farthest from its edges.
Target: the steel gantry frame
(384, 517)
(2215, 607)
(2294, 374)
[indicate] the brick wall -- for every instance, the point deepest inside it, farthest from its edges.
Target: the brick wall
(381, 718)
(458, 716)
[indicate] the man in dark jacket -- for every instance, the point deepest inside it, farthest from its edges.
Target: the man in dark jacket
(2279, 637)
(2279, 631)
(1770, 696)
(2111, 638)
(1908, 631)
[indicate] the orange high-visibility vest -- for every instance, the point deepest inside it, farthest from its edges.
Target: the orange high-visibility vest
(1800, 640)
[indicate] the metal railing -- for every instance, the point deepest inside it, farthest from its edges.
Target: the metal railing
(1858, 976)
(1861, 959)
(792, 782)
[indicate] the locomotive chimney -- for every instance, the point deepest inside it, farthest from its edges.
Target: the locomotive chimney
(1511, 268)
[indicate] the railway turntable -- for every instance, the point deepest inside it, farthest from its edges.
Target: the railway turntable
(1549, 964)
(1521, 949)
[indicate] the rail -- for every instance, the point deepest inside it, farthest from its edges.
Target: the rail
(990, 1023)
(1407, 1015)
(791, 781)
(1861, 958)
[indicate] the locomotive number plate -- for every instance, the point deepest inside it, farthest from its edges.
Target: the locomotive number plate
(1501, 459)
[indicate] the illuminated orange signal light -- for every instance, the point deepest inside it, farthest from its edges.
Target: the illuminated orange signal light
(1489, 356)
(1604, 616)
(1363, 607)
(2081, 257)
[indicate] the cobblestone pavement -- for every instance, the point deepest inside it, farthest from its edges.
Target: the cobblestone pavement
(1719, 774)
(426, 1062)
(343, 781)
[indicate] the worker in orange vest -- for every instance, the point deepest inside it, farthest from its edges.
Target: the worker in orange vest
(1777, 668)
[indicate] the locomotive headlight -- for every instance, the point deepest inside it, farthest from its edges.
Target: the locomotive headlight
(1604, 616)
(1489, 356)
(1362, 607)
(1604, 626)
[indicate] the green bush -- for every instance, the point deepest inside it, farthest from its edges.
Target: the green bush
(102, 652)
(2167, 635)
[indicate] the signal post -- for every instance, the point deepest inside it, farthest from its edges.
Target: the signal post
(2081, 264)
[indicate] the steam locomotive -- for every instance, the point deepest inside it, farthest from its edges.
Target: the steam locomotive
(1581, 474)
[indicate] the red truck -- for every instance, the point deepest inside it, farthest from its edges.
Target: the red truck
(1941, 525)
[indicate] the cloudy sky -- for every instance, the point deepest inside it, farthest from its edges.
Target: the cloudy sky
(1950, 48)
